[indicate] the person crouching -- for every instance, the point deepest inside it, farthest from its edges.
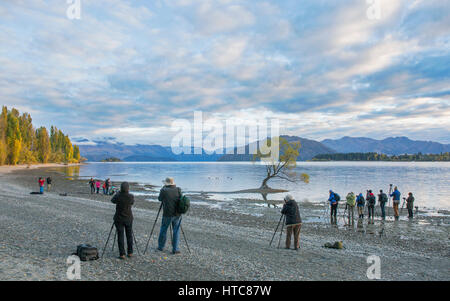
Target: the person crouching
(123, 219)
(293, 221)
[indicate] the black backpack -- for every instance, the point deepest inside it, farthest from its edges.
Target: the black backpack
(87, 252)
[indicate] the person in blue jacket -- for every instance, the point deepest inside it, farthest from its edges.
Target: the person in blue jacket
(396, 202)
(360, 204)
(333, 199)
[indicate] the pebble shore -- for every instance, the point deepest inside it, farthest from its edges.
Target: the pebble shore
(39, 232)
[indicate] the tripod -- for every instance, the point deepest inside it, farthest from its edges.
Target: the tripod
(389, 195)
(114, 242)
(326, 211)
(282, 222)
(171, 234)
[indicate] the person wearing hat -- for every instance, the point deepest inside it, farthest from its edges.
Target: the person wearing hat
(293, 221)
(410, 205)
(123, 219)
(169, 196)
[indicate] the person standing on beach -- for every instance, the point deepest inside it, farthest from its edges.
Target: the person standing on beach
(410, 205)
(382, 199)
(41, 185)
(293, 221)
(360, 204)
(104, 187)
(169, 196)
(92, 184)
(371, 200)
(351, 202)
(97, 185)
(49, 183)
(396, 202)
(123, 219)
(333, 199)
(107, 185)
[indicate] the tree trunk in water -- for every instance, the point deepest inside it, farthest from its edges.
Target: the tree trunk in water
(264, 183)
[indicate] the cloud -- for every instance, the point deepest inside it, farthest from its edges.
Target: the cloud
(127, 69)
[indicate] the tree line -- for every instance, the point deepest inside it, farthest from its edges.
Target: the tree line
(382, 157)
(21, 143)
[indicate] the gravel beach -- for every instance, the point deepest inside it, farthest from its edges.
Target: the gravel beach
(39, 232)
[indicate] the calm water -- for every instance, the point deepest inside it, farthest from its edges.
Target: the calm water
(429, 181)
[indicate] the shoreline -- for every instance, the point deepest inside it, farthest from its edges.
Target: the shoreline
(11, 168)
(41, 231)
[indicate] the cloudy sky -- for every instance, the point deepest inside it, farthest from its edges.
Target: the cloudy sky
(326, 69)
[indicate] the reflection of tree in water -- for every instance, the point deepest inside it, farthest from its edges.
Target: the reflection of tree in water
(72, 171)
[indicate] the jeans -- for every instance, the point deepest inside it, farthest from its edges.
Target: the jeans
(293, 229)
(41, 189)
(383, 211)
(351, 214)
(92, 189)
(410, 213)
(334, 212)
(128, 227)
(175, 221)
(371, 211)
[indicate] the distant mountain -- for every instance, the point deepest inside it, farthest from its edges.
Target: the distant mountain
(388, 146)
(139, 153)
(308, 150)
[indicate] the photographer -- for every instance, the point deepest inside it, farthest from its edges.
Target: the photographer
(410, 204)
(293, 221)
(123, 219)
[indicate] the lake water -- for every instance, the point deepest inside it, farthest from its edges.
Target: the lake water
(428, 181)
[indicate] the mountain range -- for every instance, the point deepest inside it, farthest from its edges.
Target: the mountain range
(309, 148)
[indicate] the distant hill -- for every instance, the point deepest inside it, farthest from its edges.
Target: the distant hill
(139, 153)
(389, 146)
(309, 149)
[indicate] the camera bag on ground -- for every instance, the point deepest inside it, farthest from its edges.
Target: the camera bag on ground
(87, 252)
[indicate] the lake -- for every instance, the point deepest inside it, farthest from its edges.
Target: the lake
(428, 181)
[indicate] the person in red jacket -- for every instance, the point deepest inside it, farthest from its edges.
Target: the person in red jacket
(41, 185)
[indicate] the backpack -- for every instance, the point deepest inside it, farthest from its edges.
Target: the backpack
(383, 198)
(183, 203)
(360, 200)
(87, 252)
(337, 197)
(371, 199)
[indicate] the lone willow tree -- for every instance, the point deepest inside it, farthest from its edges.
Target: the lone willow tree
(284, 168)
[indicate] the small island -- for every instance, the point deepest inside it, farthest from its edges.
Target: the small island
(112, 159)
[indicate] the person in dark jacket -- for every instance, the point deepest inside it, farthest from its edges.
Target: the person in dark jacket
(169, 196)
(333, 207)
(293, 221)
(396, 202)
(410, 205)
(382, 199)
(49, 183)
(371, 201)
(92, 185)
(123, 219)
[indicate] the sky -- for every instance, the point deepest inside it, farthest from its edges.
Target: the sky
(126, 70)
